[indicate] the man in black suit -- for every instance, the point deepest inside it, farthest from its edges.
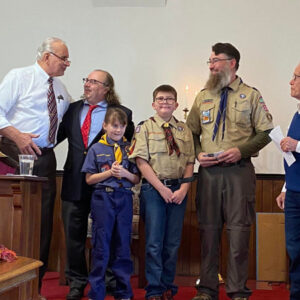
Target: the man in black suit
(99, 95)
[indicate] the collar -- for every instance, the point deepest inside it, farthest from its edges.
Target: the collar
(160, 121)
(109, 142)
(298, 107)
(235, 84)
(41, 73)
(102, 104)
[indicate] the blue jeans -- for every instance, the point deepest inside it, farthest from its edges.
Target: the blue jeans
(163, 226)
(292, 235)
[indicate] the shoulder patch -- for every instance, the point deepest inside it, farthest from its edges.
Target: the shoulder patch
(262, 102)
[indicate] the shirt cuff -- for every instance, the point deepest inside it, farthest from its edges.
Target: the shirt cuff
(283, 190)
(298, 147)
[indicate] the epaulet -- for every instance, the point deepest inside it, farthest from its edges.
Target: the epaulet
(152, 119)
(203, 89)
(141, 123)
(251, 87)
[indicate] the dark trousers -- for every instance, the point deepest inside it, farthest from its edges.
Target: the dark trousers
(111, 231)
(292, 235)
(225, 195)
(75, 219)
(44, 166)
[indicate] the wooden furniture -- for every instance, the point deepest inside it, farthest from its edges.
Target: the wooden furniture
(16, 279)
(20, 206)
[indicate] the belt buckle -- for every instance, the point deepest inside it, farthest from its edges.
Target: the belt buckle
(167, 182)
(109, 189)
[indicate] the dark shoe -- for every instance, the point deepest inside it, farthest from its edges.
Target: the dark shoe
(75, 294)
(155, 298)
(202, 296)
(167, 295)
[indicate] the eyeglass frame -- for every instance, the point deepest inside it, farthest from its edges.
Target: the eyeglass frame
(64, 59)
(94, 81)
(168, 100)
(295, 76)
(215, 60)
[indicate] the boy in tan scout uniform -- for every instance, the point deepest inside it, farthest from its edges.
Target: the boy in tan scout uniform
(230, 123)
(164, 153)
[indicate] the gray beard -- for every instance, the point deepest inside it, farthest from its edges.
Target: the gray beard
(216, 82)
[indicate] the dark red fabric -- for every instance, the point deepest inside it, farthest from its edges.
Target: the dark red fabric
(85, 128)
(53, 291)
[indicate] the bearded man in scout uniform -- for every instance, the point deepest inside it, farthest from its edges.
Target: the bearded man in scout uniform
(230, 124)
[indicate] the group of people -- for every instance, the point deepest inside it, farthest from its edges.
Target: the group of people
(228, 124)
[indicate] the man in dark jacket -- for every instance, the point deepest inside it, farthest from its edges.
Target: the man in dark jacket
(82, 126)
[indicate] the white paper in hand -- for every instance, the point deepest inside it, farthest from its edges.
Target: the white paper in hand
(276, 136)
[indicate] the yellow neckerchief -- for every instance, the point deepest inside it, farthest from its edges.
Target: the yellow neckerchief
(117, 148)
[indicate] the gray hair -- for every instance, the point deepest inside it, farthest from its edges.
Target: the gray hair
(47, 46)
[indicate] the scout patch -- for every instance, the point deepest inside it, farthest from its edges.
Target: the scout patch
(104, 168)
(206, 117)
(242, 96)
(179, 128)
(207, 101)
(138, 128)
(262, 102)
(269, 117)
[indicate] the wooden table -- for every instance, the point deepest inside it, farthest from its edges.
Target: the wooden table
(17, 277)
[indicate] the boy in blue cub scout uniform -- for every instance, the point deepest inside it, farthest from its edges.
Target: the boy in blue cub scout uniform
(108, 168)
(164, 153)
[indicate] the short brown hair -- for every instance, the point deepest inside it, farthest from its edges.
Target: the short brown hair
(165, 88)
(229, 50)
(115, 114)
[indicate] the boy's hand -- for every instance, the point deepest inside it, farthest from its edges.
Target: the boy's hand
(116, 169)
(167, 194)
(178, 196)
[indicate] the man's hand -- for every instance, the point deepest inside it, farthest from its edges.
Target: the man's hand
(231, 155)
(26, 145)
(206, 161)
(280, 200)
(288, 144)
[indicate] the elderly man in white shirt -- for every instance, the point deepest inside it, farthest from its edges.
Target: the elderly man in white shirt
(33, 102)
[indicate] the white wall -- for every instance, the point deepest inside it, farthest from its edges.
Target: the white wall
(143, 47)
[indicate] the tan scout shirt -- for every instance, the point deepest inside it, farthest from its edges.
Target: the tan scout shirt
(246, 113)
(151, 145)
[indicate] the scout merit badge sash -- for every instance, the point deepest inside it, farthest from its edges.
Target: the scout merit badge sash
(117, 148)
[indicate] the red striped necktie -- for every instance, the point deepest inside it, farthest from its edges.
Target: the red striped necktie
(52, 109)
(85, 128)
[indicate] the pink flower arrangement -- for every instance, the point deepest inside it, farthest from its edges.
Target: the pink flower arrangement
(6, 254)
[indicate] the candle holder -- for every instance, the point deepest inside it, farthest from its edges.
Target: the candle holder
(185, 110)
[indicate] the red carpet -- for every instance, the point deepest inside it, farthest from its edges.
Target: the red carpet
(53, 291)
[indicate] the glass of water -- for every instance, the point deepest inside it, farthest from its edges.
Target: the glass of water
(26, 164)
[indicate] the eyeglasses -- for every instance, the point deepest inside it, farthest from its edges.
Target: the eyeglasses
(64, 59)
(215, 60)
(168, 100)
(295, 77)
(93, 81)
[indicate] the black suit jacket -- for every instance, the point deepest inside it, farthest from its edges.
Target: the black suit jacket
(74, 187)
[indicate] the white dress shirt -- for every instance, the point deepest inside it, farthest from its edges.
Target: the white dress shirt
(23, 102)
